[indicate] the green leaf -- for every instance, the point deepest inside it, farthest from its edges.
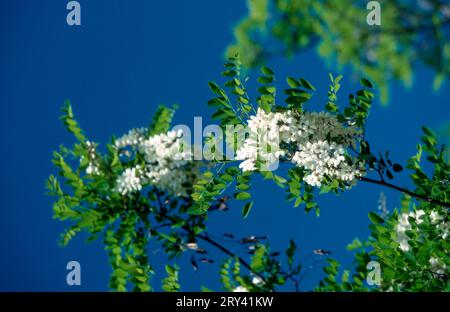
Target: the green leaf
(242, 196)
(290, 251)
(70, 123)
(265, 80)
(267, 71)
(243, 187)
(389, 174)
(226, 177)
(229, 73)
(161, 120)
(356, 244)
(397, 168)
(205, 289)
(292, 82)
(239, 91)
(246, 210)
(170, 238)
(257, 263)
(428, 132)
(376, 219)
(170, 283)
(305, 84)
(219, 186)
(216, 89)
(267, 90)
(197, 209)
(298, 201)
(366, 83)
(347, 286)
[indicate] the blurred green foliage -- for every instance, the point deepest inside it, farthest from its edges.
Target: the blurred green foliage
(411, 33)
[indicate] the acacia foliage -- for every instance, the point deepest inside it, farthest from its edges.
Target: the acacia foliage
(128, 223)
(411, 33)
(427, 236)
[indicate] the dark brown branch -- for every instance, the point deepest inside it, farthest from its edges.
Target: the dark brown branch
(207, 239)
(405, 191)
(228, 252)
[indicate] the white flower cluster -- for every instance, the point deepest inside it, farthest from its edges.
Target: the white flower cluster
(92, 167)
(322, 159)
(266, 131)
(436, 265)
(134, 137)
(318, 142)
(130, 180)
(168, 162)
(320, 126)
(382, 205)
(403, 225)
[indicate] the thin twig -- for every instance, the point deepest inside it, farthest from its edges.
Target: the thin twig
(405, 191)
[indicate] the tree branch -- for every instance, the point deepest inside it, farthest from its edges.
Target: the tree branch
(207, 239)
(230, 253)
(405, 191)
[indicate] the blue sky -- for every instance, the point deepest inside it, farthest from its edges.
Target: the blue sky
(124, 60)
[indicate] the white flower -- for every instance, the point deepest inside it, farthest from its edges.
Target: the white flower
(320, 126)
(435, 217)
(168, 163)
(258, 281)
(322, 158)
(247, 165)
(192, 246)
(266, 131)
(382, 205)
(418, 216)
(319, 142)
(134, 137)
(240, 289)
(93, 167)
(444, 226)
(437, 267)
(129, 181)
(403, 225)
